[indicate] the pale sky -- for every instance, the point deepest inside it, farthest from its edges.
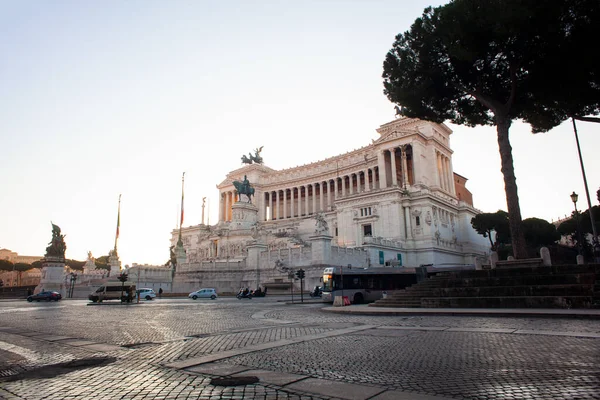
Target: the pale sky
(101, 98)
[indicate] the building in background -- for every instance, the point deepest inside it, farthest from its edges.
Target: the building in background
(395, 202)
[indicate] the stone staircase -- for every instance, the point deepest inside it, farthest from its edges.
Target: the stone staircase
(560, 286)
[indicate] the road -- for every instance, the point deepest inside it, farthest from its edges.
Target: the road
(174, 348)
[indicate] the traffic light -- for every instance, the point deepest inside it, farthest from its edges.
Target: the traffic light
(300, 274)
(122, 277)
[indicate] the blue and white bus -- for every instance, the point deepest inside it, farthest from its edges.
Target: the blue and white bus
(362, 285)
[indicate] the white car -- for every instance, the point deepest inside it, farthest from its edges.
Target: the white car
(146, 293)
(204, 293)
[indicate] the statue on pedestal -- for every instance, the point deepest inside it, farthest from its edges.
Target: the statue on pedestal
(321, 223)
(244, 188)
(57, 246)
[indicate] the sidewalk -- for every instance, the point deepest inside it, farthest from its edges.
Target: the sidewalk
(488, 312)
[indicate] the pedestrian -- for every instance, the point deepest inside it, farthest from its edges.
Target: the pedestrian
(160, 292)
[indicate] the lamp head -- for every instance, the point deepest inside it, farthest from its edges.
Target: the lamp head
(574, 197)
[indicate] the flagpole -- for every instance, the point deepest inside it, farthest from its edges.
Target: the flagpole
(118, 223)
(181, 221)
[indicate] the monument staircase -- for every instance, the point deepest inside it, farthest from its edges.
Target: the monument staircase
(559, 286)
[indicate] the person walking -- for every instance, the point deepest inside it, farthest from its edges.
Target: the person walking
(160, 291)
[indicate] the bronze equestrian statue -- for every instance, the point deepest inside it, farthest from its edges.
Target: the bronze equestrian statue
(244, 188)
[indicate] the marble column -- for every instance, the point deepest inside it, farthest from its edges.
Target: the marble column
(329, 204)
(292, 202)
(405, 168)
(285, 212)
(439, 170)
(335, 184)
(300, 200)
(221, 206)
(272, 211)
(381, 169)
(367, 183)
(393, 163)
(321, 197)
(226, 206)
(277, 206)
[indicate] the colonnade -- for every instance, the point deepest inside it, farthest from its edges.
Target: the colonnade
(444, 172)
(394, 168)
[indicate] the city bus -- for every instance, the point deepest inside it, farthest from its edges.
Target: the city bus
(369, 284)
(362, 285)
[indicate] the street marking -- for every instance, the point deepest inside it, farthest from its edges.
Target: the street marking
(22, 351)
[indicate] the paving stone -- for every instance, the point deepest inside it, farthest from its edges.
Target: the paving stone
(338, 389)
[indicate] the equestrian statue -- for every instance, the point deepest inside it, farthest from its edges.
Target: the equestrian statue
(244, 188)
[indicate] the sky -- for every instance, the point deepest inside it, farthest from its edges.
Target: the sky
(99, 99)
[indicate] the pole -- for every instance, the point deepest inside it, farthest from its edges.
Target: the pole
(580, 244)
(587, 194)
(138, 285)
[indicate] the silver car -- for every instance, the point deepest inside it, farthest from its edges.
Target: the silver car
(207, 293)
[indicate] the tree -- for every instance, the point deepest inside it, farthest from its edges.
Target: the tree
(471, 62)
(598, 195)
(102, 262)
(539, 232)
(6, 265)
(565, 82)
(570, 227)
(493, 224)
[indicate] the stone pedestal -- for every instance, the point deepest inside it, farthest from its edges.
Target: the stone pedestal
(321, 248)
(53, 275)
(243, 216)
(180, 255)
(253, 259)
(115, 264)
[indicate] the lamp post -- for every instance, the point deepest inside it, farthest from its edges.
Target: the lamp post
(595, 244)
(574, 197)
(73, 279)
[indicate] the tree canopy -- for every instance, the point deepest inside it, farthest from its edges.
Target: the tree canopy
(539, 232)
(493, 225)
(480, 62)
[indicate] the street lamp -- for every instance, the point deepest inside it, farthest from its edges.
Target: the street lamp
(574, 197)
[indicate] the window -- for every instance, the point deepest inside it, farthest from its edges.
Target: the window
(367, 231)
(365, 211)
(418, 219)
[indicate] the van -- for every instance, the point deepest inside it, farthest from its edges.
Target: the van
(112, 291)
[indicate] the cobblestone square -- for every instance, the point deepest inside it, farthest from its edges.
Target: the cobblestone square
(172, 348)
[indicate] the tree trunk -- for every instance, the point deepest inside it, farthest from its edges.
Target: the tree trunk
(510, 187)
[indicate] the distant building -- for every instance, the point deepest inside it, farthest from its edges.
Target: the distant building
(14, 257)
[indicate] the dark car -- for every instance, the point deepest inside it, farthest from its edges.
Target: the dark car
(46, 295)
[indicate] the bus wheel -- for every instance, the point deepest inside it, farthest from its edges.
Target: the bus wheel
(358, 298)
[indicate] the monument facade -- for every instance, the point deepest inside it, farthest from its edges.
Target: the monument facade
(395, 202)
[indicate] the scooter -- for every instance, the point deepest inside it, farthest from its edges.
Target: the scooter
(317, 292)
(243, 295)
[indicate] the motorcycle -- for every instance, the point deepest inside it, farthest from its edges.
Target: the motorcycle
(244, 294)
(316, 292)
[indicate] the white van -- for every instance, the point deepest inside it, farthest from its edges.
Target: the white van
(112, 291)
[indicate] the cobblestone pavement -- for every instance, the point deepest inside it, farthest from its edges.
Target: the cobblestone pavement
(69, 350)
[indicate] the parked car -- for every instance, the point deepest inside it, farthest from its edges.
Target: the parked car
(204, 293)
(146, 293)
(45, 295)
